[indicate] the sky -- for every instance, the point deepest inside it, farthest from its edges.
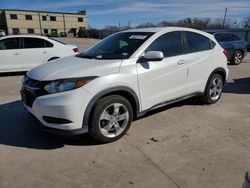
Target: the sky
(101, 13)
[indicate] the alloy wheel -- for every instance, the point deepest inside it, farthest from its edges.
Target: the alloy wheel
(216, 89)
(113, 120)
(238, 57)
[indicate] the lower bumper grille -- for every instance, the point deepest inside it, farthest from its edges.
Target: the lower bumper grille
(28, 98)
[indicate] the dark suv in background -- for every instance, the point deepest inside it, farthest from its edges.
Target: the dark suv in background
(235, 46)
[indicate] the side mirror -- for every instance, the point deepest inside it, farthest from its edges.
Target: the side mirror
(154, 56)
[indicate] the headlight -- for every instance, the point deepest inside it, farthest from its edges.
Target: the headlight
(65, 85)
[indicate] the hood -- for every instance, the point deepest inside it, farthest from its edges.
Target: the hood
(73, 67)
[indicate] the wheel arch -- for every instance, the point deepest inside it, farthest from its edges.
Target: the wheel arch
(221, 71)
(53, 58)
(123, 91)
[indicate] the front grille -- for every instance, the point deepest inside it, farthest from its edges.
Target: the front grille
(32, 89)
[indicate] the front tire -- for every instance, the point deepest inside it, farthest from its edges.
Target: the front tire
(111, 119)
(237, 58)
(213, 89)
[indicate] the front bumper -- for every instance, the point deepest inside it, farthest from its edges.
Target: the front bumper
(75, 132)
(68, 105)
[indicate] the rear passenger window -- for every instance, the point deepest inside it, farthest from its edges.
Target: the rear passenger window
(34, 43)
(10, 44)
(48, 44)
(169, 44)
(196, 43)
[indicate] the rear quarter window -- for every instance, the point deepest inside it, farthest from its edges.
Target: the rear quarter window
(196, 43)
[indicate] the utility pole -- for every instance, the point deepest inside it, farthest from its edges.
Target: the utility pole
(119, 25)
(225, 16)
(129, 24)
(40, 24)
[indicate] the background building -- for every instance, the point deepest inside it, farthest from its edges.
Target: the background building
(42, 22)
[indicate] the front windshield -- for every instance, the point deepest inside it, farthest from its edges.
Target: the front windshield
(118, 46)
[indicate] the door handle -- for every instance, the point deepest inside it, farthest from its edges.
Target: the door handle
(181, 62)
(45, 52)
(16, 53)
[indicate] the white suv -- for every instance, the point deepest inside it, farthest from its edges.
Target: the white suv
(121, 78)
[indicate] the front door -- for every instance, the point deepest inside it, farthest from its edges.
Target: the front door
(165, 80)
(11, 56)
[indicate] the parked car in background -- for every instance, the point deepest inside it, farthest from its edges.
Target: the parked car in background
(122, 77)
(2, 33)
(235, 46)
(23, 52)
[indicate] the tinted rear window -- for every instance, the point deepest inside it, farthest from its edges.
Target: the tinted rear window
(196, 43)
(36, 43)
(224, 37)
(33, 43)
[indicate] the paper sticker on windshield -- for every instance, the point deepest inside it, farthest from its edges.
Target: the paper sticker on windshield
(140, 37)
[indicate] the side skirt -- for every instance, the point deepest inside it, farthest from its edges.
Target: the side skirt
(166, 103)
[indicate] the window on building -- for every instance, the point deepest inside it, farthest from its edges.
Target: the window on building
(52, 18)
(30, 30)
(44, 18)
(45, 31)
(80, 19)
(33, 43)
(13, 16)
(15, 31)
(10, 44)
(196, 43)
(28, 17)
(169, 44)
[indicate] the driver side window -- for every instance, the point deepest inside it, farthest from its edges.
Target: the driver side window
(10, 44)
(169, 44)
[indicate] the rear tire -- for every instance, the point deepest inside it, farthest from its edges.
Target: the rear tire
(213, 89)
(237, 58)
(111, 119)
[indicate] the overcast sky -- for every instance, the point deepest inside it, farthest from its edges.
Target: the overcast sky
(111, 12)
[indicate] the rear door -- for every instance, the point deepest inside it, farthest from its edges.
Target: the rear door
(199, 59)
(34, 52)
(11, 55)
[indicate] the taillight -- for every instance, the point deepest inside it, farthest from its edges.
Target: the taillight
(225, 53)
(75, 50)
